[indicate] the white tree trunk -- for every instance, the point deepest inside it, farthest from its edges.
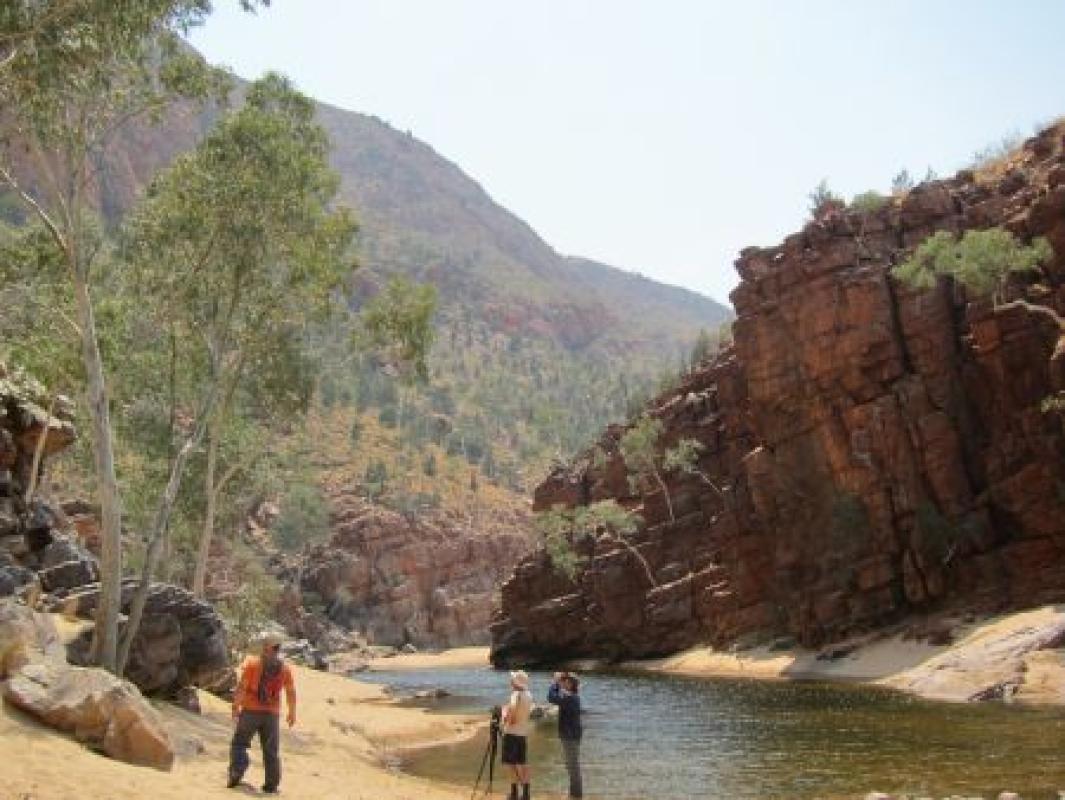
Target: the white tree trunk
(199, 577)
(105, 636)
(665, 493)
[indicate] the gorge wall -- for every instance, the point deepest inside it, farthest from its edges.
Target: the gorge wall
(430, 581)
(876, 451)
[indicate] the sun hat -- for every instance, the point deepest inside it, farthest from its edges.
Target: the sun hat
(519, 678)
(270, 639)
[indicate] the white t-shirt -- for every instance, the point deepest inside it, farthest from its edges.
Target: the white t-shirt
(520, 707)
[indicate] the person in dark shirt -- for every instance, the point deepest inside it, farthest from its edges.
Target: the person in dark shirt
(564, 694)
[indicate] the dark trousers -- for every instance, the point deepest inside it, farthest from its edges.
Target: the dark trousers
(571, 752)
(268, 726)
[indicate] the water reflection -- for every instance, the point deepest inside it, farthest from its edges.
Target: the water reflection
(675, 738)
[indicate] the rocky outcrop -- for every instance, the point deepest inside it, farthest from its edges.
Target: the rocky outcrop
(431, 582)
(181, 641)
(46, 557)
(868, 451)
(99, 709)
(38, 550)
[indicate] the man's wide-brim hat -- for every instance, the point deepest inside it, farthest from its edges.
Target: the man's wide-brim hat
(270, 639)
(519, 678)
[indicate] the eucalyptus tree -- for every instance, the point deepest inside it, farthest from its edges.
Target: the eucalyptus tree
(72, 73)
(643, 458)
(240, 242)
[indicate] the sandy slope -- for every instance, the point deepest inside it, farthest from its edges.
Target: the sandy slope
(458, 657)
(988, 653)
(337, 751)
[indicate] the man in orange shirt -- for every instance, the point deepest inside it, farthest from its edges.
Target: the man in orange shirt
(257, 710)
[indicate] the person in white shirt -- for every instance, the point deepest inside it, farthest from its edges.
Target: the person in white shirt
(516, 726)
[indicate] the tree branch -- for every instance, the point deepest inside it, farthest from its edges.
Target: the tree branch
(1034, 308)
(43, 215)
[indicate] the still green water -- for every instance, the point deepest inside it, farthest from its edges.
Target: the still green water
(672, 738)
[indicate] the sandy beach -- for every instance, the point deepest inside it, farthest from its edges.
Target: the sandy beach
(456, 658)
(347, 734)
(1014, 651)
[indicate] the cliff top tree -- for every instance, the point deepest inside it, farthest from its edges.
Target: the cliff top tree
(824, 202)
(71, 74)
(981, 261)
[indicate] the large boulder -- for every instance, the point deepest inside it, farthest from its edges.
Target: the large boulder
(181, 640)
(16, 580)
(25, 636)
(97, 708)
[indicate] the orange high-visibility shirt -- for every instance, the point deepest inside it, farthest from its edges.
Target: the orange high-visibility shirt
(247, 696)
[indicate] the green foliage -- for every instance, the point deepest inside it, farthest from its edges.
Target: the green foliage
(980, 260)
(822, 198)
(868, 202)
(249, 611)
(683, 457)
(560, 527)
(304, 517)
(639, 448)
(375, 481)
(399, 321)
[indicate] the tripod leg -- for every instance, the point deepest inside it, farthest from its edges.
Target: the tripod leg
(480, 773)
(492, 761)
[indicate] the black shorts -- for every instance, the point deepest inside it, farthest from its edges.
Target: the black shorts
(514, 750)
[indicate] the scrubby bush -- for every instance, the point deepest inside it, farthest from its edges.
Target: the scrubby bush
(304, 517)
(870, 201)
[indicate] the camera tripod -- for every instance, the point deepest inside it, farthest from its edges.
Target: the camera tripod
(489, 758)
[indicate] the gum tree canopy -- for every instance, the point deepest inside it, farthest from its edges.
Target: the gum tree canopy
(72, 73)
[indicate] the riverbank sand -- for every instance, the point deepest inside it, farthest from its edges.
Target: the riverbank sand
(347, 734)
(1017, 656)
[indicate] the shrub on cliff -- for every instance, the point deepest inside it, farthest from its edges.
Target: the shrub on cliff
(870, 201)
(560, 527)
(644, 461)
(982, 261)
(823, 201)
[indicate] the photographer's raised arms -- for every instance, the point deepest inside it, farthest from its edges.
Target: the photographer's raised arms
(564, 694)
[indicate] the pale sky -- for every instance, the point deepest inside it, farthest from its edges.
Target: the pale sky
(663, 136)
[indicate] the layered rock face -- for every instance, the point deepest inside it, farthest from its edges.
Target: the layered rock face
(868, 451)
(46, 556)
(37, 553)
(430, 582)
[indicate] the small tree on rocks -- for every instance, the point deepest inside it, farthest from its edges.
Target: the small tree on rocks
(639, 448)
(560, 526)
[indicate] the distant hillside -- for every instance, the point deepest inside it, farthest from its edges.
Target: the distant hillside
(536, 350)
(422, 215)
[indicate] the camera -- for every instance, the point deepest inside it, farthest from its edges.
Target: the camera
(497, 719)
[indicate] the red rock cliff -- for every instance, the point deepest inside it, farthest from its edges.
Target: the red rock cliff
(880, 451)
